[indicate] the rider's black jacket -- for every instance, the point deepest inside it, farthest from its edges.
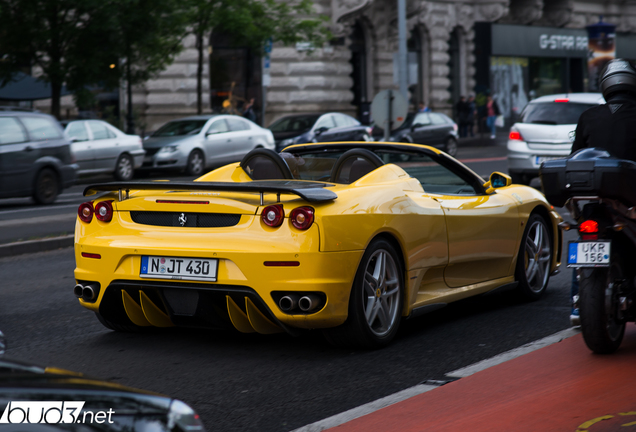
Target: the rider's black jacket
(611, 126)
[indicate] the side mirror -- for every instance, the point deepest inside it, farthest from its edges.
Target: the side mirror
(320, 130)
(497, 180)
(415, 126)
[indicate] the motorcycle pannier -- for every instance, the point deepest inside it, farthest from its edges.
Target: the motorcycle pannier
(586, 174)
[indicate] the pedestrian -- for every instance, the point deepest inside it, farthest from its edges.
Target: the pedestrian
(472, 112)
(461, 108)
(492, 110)
(248, 111)
(423, 108)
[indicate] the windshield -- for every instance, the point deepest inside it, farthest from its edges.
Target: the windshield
(294, 123)
(180, 127)
(554, 113)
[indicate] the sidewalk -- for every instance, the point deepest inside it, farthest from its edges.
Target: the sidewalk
(562, 387)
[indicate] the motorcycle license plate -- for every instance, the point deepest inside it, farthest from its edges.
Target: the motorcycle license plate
(589, 254)
(161, 267)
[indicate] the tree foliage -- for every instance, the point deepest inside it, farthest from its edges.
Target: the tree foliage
(87, 42)
(251, 23)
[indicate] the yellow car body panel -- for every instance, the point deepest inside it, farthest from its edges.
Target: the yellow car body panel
(451, 246)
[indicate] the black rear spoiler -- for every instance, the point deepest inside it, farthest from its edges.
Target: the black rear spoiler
(309, 191)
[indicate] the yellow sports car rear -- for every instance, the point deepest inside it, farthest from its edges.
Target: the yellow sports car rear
(345, 237)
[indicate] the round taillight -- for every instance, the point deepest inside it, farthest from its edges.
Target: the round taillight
(85, 212)
(273, 215)
(589, 227)
(104, 211)
(302, 217)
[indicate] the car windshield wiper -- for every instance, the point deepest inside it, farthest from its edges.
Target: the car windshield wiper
(548, 122)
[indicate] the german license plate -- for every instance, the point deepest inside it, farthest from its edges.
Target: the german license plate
(589, 254)
(178, 268)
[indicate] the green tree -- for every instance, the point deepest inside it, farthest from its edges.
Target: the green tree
(147, 37)
(251, 23)
(48, 34)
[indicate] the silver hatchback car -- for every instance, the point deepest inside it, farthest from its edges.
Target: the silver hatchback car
(193, 143)
(99, 147)
(543, 132)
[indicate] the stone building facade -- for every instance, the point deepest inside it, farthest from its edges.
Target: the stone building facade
(345, 74)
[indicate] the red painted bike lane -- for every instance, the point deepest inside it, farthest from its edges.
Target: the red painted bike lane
(562, 387)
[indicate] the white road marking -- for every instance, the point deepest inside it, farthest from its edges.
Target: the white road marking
(39, 220)
(365, 409)
(509, 355)
(384, 402)
(30, 209)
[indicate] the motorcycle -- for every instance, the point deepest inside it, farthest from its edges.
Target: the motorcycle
(599, 192)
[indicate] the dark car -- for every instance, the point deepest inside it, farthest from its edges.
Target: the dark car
(69, 401)
(304, 128)
(429, 128)
(35, 156)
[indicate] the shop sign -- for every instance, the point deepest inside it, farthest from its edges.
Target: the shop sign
(531, 41)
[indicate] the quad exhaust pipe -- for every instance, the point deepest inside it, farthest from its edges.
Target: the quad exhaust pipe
(291, 302)
(85, 292)
(308, 302)
(288, 303)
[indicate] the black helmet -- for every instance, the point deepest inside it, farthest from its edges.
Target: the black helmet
(618, 76)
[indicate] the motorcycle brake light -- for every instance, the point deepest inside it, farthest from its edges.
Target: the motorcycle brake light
(588, 227)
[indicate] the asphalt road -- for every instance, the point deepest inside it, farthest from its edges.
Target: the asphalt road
(252, 382)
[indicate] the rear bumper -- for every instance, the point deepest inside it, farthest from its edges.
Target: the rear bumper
(244, 294)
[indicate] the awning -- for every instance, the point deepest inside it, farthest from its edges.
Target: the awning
(27, 88)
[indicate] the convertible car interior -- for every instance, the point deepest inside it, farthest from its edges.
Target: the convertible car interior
(436, 175)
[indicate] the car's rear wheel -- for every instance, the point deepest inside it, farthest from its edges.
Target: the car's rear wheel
(46, 186)
(125, 168)
(534, 259)
(375, 303)
(450, 146)
(196, 163)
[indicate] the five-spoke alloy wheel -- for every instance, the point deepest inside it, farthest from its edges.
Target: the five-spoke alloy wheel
(535, 259)
(196, 163)
(125, 168)
(375, 304)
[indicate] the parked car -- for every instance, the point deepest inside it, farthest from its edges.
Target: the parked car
(194, 143)
(429, 128)
(543, 132)
(75, 402)
(347, 237)
(304, 128)
(99, 147)
(35, 156)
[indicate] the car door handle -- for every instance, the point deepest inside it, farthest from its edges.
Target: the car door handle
(250, 138)
(28, 149)
(229, 140)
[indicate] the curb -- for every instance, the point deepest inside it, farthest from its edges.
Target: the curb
(32, 246)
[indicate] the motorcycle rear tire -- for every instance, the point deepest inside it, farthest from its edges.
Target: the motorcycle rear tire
(602, 331)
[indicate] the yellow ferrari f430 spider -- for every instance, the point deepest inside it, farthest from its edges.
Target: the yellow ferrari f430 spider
(346, 237)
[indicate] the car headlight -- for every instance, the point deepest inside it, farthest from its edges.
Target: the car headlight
(183, 418)
(169, 149)
(288, 141)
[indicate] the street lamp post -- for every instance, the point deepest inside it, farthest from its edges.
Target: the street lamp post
(402, 54)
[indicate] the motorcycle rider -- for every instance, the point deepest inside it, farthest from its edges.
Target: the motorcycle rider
(610, 126)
